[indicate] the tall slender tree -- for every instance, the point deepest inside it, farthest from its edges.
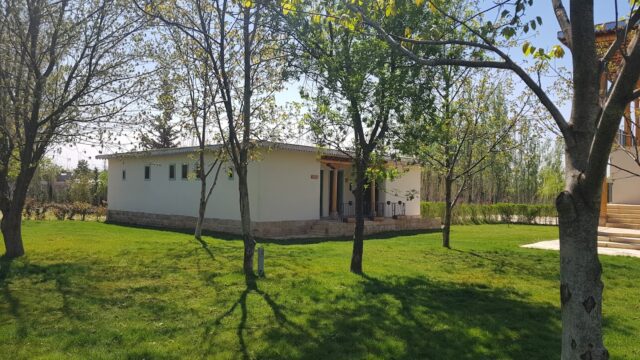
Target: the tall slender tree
(471, 122)
(358, 83)
(193, 70)
(245, 61)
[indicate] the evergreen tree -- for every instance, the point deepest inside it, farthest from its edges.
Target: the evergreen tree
(161, 131)
(82, 168)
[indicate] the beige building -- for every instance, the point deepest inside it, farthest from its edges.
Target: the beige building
(294, 191)
(623, 180)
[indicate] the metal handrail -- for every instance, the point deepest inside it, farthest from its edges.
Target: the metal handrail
(382, 209)
(398, 209)
(346, 210)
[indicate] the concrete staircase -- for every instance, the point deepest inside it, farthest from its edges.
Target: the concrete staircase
(324, 228)
(622, 228)
(330, 228)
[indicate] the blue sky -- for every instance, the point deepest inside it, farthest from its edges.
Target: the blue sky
(544, 37)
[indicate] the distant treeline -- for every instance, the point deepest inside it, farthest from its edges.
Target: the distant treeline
(529, 174)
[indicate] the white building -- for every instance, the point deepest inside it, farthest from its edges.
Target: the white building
(294, 190)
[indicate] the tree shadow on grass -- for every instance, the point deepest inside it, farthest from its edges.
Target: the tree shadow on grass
(205, 247)
(396, 318)
(379, 236)
(251, 287)
(503, 262)
(415, 318)
(59, 273)
(283, 241)
(9, 299)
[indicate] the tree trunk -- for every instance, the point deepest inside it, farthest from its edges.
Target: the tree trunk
(11, 224)
(245, 216)
(580, 279)
(202, 207)
(201, 210)
(12, 232)
(448, 210)
(358, 235)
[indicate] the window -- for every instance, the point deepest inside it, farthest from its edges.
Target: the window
(124, 174)
(185, 171)
(147, 172)
(172, 172)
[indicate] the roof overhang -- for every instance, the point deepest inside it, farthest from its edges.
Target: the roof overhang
(601, 29)
(269, 145)
(336, 157)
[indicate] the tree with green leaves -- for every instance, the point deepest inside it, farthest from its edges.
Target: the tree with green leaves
(588, 134)
(470, 123)
(41, 187)
(525, 164)
(358, 82)
(551, 177)
(66, 69)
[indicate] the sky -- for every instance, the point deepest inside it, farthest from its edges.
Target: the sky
(545, 36)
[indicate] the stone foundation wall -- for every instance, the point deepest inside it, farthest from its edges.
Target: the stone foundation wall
(273, 229)
(324, 228)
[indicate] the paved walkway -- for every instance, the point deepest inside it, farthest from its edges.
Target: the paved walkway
(555, 245)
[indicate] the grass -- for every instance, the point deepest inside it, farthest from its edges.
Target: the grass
(89, 290)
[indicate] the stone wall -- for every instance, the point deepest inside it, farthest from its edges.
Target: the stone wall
(326, 228)
(273, 229)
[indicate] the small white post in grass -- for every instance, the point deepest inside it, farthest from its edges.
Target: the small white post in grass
(260, 261)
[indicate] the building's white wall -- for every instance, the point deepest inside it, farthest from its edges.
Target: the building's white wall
(288, 186)
(159, 195)
(626, 187)
(397, 189)
(283, 186)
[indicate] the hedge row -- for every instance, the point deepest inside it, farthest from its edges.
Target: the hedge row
(60, 211)
(493, 213)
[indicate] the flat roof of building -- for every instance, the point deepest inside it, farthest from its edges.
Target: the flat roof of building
(272, 145)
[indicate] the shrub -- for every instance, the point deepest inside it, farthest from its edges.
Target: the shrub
(34, 209)
(492, 213)
(29, 206)
(506, 211)
(101, 212)
(60, 211)
(81, 208)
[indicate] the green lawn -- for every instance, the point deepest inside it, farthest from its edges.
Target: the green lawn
(89, 290)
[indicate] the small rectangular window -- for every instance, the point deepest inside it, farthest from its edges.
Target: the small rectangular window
(172, 172)
(185, 171)
(147, 172)
(124, 174)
